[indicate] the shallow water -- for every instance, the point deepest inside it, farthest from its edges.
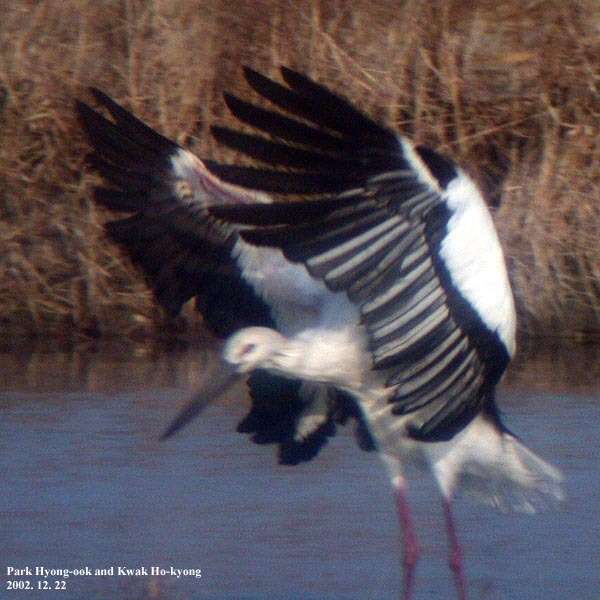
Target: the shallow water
(86, 483)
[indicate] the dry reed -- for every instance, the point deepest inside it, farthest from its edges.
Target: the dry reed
(509, 88)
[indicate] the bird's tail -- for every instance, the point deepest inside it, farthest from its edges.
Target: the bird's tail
(500, 471)
(523, 482)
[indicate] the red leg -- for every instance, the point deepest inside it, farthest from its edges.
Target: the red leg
(411, 544)
(455, 559)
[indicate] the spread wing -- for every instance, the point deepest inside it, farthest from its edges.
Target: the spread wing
(376, 231)
(182, 253)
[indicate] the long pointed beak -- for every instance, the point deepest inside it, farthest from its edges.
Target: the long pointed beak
(216, 385)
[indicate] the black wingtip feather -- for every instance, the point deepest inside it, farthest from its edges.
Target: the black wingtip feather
(291, 101)
(129, 125)
(282, 154)
(286, 128)
(259, 82)
(282, 182)
(343, 116)
(82, 109)
(88, 117)
(101, 97)
(305, 86)
(117, 200)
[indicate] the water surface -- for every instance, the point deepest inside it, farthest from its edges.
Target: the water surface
(86, 483)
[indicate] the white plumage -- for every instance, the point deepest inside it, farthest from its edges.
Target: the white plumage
(472, 251)
(383, 290)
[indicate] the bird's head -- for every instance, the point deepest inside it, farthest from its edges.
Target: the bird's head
(252, 348)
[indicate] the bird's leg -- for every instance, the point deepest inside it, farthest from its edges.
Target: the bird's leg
(455, 558)
(411, 544)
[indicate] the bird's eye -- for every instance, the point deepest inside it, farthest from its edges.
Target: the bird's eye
(247, 348)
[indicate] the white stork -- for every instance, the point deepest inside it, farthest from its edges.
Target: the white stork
(378, 293)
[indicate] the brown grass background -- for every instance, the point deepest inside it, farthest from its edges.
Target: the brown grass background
(509, 88)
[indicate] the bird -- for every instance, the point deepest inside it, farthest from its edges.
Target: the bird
(355, 276)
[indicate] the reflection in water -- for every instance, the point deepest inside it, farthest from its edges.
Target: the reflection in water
(547, 366)
(88, 484)
(103, 366)
(121, 364)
